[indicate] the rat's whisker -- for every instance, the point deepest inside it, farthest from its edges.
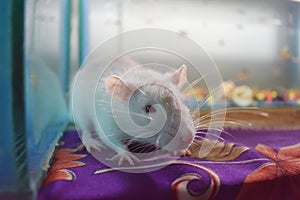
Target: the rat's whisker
(208, 125)
(238, 123)
(141, 91)
(249, 110)
(196, 144)
(129, 113)
(213, 136)
(206, 99)
(227, 121)
(112, 134)
(252, 111)
(219, 130)
(208, 122)
(199, 136)
(207, 129)
(227, 133)
(200, 133)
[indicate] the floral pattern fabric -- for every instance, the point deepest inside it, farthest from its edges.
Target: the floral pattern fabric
(247, 164)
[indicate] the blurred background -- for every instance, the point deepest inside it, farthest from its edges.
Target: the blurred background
(244, 39)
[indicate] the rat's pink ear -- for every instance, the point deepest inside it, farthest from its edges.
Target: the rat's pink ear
(179, 76)
(116, 87)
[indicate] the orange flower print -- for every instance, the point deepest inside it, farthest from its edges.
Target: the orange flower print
(279, 179)
(63, 159)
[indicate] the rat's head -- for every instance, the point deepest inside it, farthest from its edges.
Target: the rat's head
(155, 104)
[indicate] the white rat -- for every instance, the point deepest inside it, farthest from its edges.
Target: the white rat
(149, 96)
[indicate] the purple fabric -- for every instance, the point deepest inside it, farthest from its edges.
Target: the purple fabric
(220, 179)
(272, 138)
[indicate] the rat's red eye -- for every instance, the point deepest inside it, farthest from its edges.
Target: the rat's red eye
(149, 108)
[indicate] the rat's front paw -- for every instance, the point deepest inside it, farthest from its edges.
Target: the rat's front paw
(124, 156)
(95, 146)
(91, 144)
(182, 153)
(185, 153)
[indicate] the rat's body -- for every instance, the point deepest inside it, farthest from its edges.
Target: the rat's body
(101, 112)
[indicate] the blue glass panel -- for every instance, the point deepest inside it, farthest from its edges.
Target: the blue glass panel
(46, 80)
(7, 164)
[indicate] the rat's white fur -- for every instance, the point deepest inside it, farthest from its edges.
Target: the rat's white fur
(163, 88)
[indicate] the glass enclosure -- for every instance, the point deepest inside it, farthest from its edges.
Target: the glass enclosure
(35, 76)
(254, 44)
(46, 78)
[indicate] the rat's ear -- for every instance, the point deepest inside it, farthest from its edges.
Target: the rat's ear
(179, 76)
(116, 87)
